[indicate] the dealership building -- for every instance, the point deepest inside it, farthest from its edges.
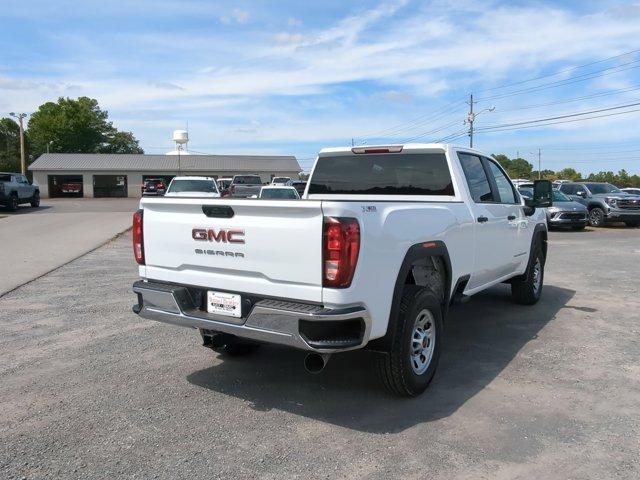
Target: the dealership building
(122, 175)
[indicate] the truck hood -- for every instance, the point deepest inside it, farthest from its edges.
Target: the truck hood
(567, 206)
(192, 194)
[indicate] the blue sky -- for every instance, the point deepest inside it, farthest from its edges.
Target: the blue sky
(292, 77)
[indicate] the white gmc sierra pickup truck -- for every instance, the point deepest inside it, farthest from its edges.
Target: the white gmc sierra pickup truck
(383, 241)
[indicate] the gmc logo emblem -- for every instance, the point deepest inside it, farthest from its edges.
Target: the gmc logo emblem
(222, 235)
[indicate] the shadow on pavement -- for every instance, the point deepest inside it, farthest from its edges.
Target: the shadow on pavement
(482, 337)
(23, 210)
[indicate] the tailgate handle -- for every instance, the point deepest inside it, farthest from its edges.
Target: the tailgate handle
(218, 211)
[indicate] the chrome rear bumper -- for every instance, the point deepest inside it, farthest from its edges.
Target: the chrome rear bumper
(270, 321)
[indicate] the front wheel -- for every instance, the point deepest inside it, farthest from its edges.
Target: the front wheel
(35, 200)
(596, 217)
(408, 368)
(526, 290)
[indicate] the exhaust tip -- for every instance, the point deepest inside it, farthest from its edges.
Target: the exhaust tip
(314, 362)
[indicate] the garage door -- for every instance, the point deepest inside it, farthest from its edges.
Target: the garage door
(109, 186)
(65, 186)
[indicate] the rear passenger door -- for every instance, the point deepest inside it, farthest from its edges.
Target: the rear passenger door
(496, 216)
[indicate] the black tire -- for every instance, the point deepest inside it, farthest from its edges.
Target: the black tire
(13, 203)
(35, 200)
(396, 368)
(579, 227)
(527, 289)
(632, 224)
(596, 217)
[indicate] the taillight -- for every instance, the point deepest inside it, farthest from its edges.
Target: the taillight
(160, 185)
(138, 241)
(340, 248)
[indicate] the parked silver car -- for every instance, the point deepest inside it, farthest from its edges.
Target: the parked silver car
(564, 212)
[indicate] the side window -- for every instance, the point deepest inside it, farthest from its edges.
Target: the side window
(567, 189)
(505, 189)
(476, 178)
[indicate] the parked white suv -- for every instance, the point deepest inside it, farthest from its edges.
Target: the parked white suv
(193, 186)
(386, 238)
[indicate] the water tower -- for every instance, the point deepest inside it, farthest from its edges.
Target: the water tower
(181, 139)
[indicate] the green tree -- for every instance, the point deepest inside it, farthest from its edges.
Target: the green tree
(503, 160)
(76, 126)
(520, 168)
(121, 142)
(569, 174)
(9, 145)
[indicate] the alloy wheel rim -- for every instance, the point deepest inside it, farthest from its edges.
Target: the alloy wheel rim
(594, 216)
(537, 276)
(422, 342)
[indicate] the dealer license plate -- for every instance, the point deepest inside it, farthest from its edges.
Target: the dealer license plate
(222, 303)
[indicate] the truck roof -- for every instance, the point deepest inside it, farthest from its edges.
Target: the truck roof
(404, 147)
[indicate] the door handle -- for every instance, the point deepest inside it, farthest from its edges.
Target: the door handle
(483, 219)
(511, 217)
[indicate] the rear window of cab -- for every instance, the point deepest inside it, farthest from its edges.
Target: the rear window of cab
(382, 174)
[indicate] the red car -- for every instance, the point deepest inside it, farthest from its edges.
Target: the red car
(71, 187)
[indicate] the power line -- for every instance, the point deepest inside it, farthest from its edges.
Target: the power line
(421, 119)
(574, 99)
(513, 84)
(561, 83)
(559, 117)
(562, 121)
(436, 130)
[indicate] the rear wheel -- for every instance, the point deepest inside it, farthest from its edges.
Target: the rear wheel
(13, 203)
(35, 200)
(409, 366)
(596, 217)
(526, 290)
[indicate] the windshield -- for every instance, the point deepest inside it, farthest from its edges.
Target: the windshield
(280, 193)
(206, 186)
(597, 188)
(558, 196)
(247, 180)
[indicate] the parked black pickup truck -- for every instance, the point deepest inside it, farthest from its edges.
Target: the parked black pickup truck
(16, 189)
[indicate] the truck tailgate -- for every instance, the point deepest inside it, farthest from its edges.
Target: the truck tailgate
(278, 253)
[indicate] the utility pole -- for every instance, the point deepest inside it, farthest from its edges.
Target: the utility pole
(539, 164)
(20, 117)
(471, 117)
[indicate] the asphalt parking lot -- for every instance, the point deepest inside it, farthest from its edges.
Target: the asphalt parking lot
(550, 391)
(38, 240)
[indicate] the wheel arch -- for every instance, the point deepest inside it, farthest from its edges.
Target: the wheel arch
(429, 251)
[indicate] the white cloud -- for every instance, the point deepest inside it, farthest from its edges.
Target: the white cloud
(288, 38)
(236, 16)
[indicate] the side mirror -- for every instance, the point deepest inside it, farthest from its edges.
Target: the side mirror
(581, 193)
(542, 195)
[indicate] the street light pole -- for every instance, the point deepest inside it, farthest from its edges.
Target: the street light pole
(471, 118)
(20, 117)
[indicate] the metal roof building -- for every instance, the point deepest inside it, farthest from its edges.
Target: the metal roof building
(120, 175)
